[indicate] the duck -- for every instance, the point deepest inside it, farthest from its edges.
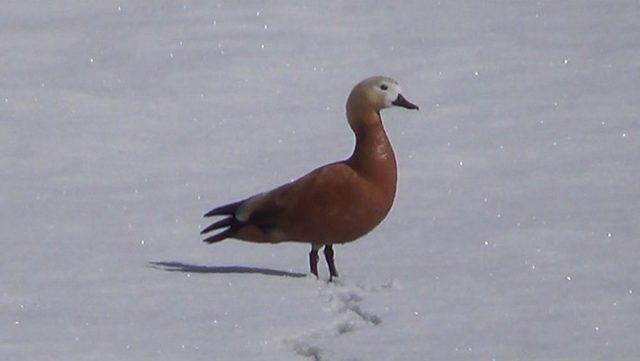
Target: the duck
(334, 204)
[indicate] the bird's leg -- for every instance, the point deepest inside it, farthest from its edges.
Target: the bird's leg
(313, 259)
(328, 254)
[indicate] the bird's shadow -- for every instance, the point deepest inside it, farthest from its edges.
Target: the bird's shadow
(192, 268)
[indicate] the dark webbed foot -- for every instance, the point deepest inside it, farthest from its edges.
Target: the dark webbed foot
(313, 259)
(328, 254)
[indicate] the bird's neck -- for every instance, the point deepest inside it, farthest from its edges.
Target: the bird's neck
(373, 155)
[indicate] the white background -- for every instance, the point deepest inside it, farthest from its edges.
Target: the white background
(514, 235)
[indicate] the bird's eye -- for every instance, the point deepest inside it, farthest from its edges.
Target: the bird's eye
(384, 87)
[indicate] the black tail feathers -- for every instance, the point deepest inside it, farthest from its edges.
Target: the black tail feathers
(230, 223)
(227, 222)
(227, 209)
(219, 236)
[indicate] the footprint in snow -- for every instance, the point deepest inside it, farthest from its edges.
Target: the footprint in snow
(344, 303)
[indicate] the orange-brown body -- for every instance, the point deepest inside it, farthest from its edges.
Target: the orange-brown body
(336, 203)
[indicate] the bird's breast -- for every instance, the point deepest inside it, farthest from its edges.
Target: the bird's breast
(340, 211)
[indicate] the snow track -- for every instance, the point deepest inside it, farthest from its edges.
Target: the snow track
(345, 314)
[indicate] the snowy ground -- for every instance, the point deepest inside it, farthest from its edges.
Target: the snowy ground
(515, 234)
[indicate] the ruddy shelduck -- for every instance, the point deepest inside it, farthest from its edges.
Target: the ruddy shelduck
(334, 204)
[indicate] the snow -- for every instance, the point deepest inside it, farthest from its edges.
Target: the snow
(515, 231)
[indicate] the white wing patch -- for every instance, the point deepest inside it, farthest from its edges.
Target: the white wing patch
(244, 211)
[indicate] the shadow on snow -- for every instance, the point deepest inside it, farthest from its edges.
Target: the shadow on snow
(191, 268)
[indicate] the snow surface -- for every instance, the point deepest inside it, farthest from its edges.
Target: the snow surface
(515, 234)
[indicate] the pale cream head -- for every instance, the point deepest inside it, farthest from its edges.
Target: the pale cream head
(372, 95)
